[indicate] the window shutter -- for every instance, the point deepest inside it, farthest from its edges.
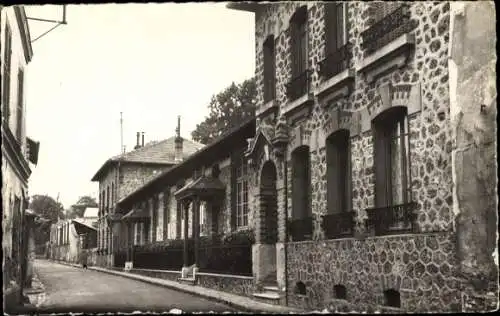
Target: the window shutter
(20, 103)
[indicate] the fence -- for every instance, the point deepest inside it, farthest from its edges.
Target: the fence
(226, 259)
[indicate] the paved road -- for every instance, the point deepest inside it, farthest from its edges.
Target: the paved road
(70, 289)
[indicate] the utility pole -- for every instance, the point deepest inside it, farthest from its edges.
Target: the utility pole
(122, 148)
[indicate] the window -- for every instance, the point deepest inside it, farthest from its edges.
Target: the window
(138, 232)
(392, 163)
(20, 105)
(6, 74)
(300, 288)
(107, 200)
(381, 9)
(338, 172)
(392, 298)
(242, 193)
(203, 219)
(335, 26)
(340, 292)
(112, 194)
(298, 30)
(301, 183)
(269, 69)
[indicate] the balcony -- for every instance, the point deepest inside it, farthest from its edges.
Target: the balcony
(298, 86)
(300, 229)
(336, 62)
(392, 219)
(338, 79)
(387, 43)
(338, 225)
(387, 29)
(299, 96)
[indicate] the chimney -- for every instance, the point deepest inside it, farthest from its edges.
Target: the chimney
(178, 141)
(142, 139)
(137, 145)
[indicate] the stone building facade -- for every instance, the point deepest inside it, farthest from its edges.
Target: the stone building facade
(357, 145)
(164, 217)
(122, 174)
(18, 151)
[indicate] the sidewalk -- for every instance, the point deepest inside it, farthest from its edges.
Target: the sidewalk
(236, 301)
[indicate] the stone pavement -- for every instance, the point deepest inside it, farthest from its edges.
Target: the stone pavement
(236, 301)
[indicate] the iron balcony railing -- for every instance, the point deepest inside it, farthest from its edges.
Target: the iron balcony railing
(300, 229)
(392, 219)
(336, 62)
(298, 86)
(387, 29)
(338, 225)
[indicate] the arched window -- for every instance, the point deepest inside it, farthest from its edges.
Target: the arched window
(392, 163)
(338, 172)
(300, 288)
(392, 298)
(340, 292)
(301, 194)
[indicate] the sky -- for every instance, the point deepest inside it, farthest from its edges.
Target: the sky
(150, 61)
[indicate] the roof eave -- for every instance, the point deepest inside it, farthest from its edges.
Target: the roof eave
(25, 32)
(246, 124)
(243, 6)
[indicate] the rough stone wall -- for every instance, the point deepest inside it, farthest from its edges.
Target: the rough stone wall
(430, 129)
(235, 285)
(134, 176)
(473, 111)
(421, 267)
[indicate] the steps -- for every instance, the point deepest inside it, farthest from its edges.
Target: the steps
(269, 294)
(188, 280)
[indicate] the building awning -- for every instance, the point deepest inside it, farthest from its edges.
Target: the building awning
(83, 228)
(135, 215)
(202, 187)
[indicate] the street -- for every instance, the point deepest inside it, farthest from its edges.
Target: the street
(70, 289)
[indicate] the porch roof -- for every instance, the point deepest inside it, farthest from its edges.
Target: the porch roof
(135, 214)
(203, 187)
(82, 227)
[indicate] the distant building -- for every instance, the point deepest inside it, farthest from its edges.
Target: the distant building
(17, 149)
(122, 174)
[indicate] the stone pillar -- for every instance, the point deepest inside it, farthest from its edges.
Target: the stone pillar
(196, 229)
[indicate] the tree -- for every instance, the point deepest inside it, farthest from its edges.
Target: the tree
(46, 207)
(227, 109)
(49, 211)
(78, 209)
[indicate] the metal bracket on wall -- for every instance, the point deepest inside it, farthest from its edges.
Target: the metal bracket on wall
(58, 23)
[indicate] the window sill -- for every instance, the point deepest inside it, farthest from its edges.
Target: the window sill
(299, 108)
(267, 107)
(336, 87)
(392, 55)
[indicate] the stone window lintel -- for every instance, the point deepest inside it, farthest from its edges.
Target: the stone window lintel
(266, 108)
(336, 87)
(392, 55)
(295, 107)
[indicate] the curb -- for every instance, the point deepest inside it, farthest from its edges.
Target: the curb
(245, 308)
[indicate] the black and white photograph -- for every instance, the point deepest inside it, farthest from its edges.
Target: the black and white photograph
(249, 157)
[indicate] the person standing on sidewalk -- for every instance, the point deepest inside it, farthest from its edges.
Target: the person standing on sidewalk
(83, 258)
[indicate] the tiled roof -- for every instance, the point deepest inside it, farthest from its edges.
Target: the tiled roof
(162, 152)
